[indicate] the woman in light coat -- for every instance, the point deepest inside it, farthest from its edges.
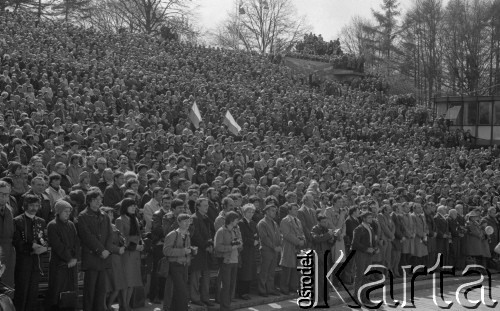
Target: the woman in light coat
(387, 230)
(419, 251)
(293, 239)
(409, 233)
(228, 244)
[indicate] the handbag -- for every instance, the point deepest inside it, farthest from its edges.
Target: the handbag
(68, 300)
(163, 267)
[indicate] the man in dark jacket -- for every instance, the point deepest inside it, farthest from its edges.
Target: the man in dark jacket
(457, 232)
(148, 195)
(158, 235)
(248, 270)
(202, 237)
(429, 210)
(96, 175)
(7, 234)
(322, 241)
(113, 194)
(397, 218)
(38, 189)
(94, 229)
(350, 224)
(29, 241)
(442, 233)
(213, 205)
(363, 242)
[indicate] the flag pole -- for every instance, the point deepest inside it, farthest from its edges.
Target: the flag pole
(239, 3)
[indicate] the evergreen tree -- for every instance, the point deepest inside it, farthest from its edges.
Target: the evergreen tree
(385, 34)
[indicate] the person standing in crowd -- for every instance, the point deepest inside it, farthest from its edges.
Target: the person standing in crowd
(54, 191)
(94, 229)
(248, 269)
(351, 222)
(128, 225)
(336, 216)
(65, 249)
(457, 233)
(364, 244)
(38, 187)
(169, 221)
(442, 233)
(429, 211)
(307, 216)
(227, 206)
(270, 247)
(323, 239)
(419, 251)
(202, 238)
(113, 193)
(147, 195)
(158, 238)
(116, 274)
(83, 182)
(178, 250)
(476, 239)
(228, 244)
(293, 239)
(397, 219)
(29, 242)
(7, 234)
(97, 174)
(409, 234)
(213, 205)
(491, 220)
(6, 292)
(291, 198)
(387, 230)
(151, 207)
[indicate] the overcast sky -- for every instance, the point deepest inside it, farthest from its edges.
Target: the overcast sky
(327, 17)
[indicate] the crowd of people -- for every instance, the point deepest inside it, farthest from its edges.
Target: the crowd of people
(102, 168)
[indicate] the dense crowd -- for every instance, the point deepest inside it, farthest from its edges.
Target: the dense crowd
(102, 168)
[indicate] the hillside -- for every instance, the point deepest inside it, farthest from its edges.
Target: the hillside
(321, 69)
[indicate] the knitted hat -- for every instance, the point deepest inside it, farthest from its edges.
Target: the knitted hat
(60, 206)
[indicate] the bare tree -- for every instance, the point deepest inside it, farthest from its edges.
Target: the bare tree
(39, 7)
(423, 47)
(148, 16)
(266, 27)
(228, 35)
(353, 36)
(466, 30)
(72, 10)
(106, 17)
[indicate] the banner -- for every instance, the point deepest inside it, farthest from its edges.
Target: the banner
(231, 123)
(195, 115)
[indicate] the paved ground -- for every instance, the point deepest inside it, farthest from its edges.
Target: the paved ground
(423, 298)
